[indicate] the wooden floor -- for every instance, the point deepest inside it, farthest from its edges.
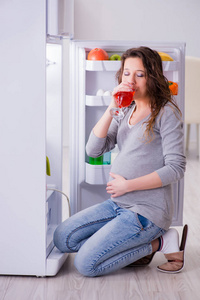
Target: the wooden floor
(129, 283)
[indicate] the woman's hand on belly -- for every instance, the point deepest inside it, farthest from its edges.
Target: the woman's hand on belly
(118, 186)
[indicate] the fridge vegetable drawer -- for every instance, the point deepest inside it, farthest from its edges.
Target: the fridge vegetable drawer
(97, 174)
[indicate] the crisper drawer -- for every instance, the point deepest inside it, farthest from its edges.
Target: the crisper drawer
(97, 174)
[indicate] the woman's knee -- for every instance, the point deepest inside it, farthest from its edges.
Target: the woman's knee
(84, 265)
(60, 238)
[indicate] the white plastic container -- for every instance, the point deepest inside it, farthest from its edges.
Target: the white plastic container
(97, 174)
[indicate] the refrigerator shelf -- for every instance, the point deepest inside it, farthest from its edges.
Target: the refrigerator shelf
(98, 100)
(102, 65)
(97, 174)
(170, 66)
(107, 65)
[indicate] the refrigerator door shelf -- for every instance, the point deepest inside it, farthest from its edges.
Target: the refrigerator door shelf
(48, 194)
(50, 189)
(54, 262)
(98, 100)
(97, 174)
(49, 236)
(53, 217)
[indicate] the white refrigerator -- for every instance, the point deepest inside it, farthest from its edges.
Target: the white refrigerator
(88, 181)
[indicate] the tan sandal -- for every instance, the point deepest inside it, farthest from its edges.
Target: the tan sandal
(175, 262)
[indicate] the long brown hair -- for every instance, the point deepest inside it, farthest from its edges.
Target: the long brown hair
(157, 84)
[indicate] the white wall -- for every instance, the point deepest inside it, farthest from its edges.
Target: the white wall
(142, 20)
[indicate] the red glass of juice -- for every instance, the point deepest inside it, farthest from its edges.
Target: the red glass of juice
(124, 98)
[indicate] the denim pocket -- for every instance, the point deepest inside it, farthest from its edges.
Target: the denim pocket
(143, 221)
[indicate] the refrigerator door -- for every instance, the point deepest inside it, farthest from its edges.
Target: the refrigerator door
(22, 152)
(32, 129)
(89, 81)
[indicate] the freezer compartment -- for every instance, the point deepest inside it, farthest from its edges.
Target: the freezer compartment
(97, 174)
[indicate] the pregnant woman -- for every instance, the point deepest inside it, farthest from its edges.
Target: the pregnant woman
(130, 226)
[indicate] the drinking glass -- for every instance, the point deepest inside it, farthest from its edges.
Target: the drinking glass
(123, 99)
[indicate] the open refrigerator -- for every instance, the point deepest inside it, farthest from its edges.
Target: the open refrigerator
(87, 180)
(31, 119)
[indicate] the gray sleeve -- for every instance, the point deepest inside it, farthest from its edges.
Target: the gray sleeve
(171, 131)
(96, 146)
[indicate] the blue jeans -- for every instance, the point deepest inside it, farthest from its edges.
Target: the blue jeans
(106, 237)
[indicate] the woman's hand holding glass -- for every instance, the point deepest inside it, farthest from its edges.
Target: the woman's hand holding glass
(123, 97)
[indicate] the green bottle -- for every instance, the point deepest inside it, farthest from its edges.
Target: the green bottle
(96, 160)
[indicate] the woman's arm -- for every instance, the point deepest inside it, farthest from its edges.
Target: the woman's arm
(103, 136)
(102, 126)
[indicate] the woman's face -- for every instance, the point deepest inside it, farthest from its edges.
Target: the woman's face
(135, 75)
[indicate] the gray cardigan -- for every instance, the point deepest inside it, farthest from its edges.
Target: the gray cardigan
(164, 154)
